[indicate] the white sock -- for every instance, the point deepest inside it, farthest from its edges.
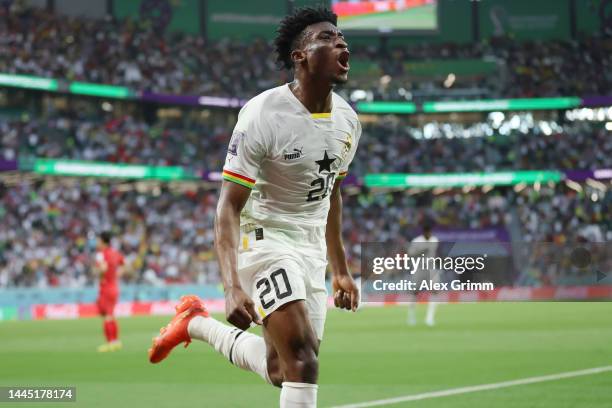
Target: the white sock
(412, 313)
(431, 311)
(298, 395)
(243, 349)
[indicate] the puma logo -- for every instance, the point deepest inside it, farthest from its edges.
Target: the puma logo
(295, 154)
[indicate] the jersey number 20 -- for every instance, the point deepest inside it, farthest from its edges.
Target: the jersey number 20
(324, 186)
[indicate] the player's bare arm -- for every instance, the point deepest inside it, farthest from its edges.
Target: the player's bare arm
(122, 271)
(346, 294)
(99, 267)
(239, 308)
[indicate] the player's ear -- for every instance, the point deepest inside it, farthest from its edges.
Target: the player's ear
(298, 56)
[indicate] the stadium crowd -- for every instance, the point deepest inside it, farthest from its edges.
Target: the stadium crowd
(48, 232)
(134, 54)
(445, 147)
(557, 223)
(48, 235)
(388, 146)
(121, 139)
(524, 69)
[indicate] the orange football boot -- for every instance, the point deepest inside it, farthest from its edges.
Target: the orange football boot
(176, 331)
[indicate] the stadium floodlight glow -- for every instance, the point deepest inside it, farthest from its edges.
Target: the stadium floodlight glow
(103, 169)
(221, 101)
(105, 91)
(433, 180)
(386, 107)
(603, 174)
(358, 95)
(488, 105)
(29, 82)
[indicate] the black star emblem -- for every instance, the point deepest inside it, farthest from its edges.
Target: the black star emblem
(325, 162)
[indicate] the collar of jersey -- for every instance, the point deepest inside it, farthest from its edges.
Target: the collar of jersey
(315, 116)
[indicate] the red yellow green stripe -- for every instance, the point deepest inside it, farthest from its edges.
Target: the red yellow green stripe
(342, 175)
(238, 179)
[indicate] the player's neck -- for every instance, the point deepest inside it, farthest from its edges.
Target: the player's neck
(314, 96)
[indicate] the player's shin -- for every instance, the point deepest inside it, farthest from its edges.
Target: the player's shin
(431, 312)
(241, 348)
(114, 330)
(412, 313)
(108, 330)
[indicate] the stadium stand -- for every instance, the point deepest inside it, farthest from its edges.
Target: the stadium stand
(518, 142)
(132, 53)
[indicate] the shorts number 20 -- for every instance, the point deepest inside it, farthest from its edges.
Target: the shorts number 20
(265, 282)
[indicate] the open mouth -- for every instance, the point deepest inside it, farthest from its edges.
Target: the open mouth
(343, 60)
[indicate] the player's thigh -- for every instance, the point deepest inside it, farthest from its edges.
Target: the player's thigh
(279, 288)
(275, 372)
(106, 304)
(272, 360)
(272, 355)
(293, 337)
(277, 283)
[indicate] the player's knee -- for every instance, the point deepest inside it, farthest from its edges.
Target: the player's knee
(274, 372)
(304, 364)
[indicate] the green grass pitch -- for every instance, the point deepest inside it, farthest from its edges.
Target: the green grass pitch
(365, 356)
(417, 18)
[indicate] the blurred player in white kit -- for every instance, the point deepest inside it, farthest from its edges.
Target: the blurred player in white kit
(425, 244)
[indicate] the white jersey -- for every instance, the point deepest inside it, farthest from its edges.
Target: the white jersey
(290, 159)
(428, 248)
(423, 246)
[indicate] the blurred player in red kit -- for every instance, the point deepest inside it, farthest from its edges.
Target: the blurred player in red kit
(108, 264)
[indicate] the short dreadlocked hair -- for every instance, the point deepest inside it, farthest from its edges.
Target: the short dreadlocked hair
(291, 28)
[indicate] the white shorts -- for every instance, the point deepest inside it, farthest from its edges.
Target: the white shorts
(274, 271)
